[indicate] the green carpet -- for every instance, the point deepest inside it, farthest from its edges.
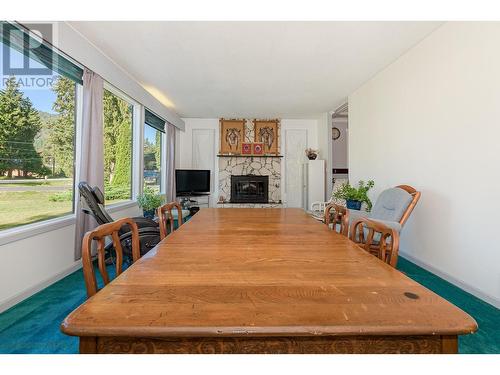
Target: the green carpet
(487, 337)
(32, 326)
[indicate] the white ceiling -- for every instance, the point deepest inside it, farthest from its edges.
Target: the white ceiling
(253, 69)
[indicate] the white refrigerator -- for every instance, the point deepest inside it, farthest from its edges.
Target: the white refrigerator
(314, 183)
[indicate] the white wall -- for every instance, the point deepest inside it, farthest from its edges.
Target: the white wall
(431, 120)
(325, 148)
(33, 263)
(184, 149)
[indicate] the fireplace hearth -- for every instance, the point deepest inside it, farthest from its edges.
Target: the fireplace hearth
(249, 189)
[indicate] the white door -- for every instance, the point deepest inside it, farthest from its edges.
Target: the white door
(295, 146)
(203, 155)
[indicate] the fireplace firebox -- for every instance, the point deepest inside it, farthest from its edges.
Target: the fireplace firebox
(249, 189)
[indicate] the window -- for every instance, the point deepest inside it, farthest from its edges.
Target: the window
(153, 134)
(37, 135)
(118, 119)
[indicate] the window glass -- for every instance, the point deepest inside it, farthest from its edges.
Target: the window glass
(118, 118)
(37, 138)
(152, 157)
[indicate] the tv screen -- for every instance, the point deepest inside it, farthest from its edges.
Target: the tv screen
(192, 181)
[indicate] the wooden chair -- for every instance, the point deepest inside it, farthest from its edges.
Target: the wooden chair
(351, 215)
(416, 196)
(163, 219)
(377, 239)
(99, 234)
(339, 217)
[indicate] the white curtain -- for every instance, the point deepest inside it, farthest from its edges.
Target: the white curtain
(170, 164)
(91, 168)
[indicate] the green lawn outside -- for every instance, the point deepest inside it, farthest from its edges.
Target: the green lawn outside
(25, 207)
(30, 206)
(63, 183)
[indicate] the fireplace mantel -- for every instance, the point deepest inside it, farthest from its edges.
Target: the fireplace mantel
(248, 156)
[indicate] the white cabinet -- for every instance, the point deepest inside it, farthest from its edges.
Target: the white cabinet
(314, 182)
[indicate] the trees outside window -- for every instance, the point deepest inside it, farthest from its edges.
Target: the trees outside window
(118, 119)
(152, 157)
(37, 131)
(20, 124)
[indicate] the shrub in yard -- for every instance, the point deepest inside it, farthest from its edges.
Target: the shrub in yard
(62, 196)
(116, 192)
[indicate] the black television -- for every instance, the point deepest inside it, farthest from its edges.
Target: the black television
(192, 181)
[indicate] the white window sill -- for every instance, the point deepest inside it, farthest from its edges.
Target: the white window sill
(34, 229)
(120, 206)
(30, 230)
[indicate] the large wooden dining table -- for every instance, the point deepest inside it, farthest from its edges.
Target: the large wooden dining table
(237, 280)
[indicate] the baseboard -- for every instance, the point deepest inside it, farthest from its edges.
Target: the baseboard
(453, 280)
(8, 303)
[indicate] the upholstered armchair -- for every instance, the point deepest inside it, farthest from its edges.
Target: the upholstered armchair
(388, 215)
(392, 209)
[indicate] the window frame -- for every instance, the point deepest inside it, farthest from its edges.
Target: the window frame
(163, 171)
(137, 174)
(137, 113)
(163, 158)
(44, 226)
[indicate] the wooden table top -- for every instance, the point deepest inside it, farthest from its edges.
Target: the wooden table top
(262, 272)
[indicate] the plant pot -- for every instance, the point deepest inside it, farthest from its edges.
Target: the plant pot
(353, 205)
(312, 157)
(150, 214)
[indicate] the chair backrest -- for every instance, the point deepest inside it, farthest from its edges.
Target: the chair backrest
(415, 197)
(165, 217)
(339, 218)
(92, 200)
(395, 204)
(377, 239)
(99, 235)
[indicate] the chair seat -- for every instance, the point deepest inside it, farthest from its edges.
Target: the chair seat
(185, 213)
(391, 224)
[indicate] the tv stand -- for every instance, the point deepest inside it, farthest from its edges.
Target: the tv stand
(193, 194)
(194, 200)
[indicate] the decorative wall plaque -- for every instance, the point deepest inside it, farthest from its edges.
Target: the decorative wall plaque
(232, 134)
(246, 149)
(267, 133)
(258, 148)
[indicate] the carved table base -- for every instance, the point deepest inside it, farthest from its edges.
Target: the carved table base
(272, 345)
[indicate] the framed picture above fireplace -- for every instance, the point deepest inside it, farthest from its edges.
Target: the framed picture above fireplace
(258, 149)
(232, 133)
(246, 149)
(267, 133)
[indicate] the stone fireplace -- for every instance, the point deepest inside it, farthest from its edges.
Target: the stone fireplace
(249, 189)
(256, 179)
(236, 166)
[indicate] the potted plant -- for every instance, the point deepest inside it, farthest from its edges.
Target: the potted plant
(149, 201)
(353, 196)
(311, 153)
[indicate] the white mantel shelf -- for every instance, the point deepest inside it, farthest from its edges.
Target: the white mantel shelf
(248, 156)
